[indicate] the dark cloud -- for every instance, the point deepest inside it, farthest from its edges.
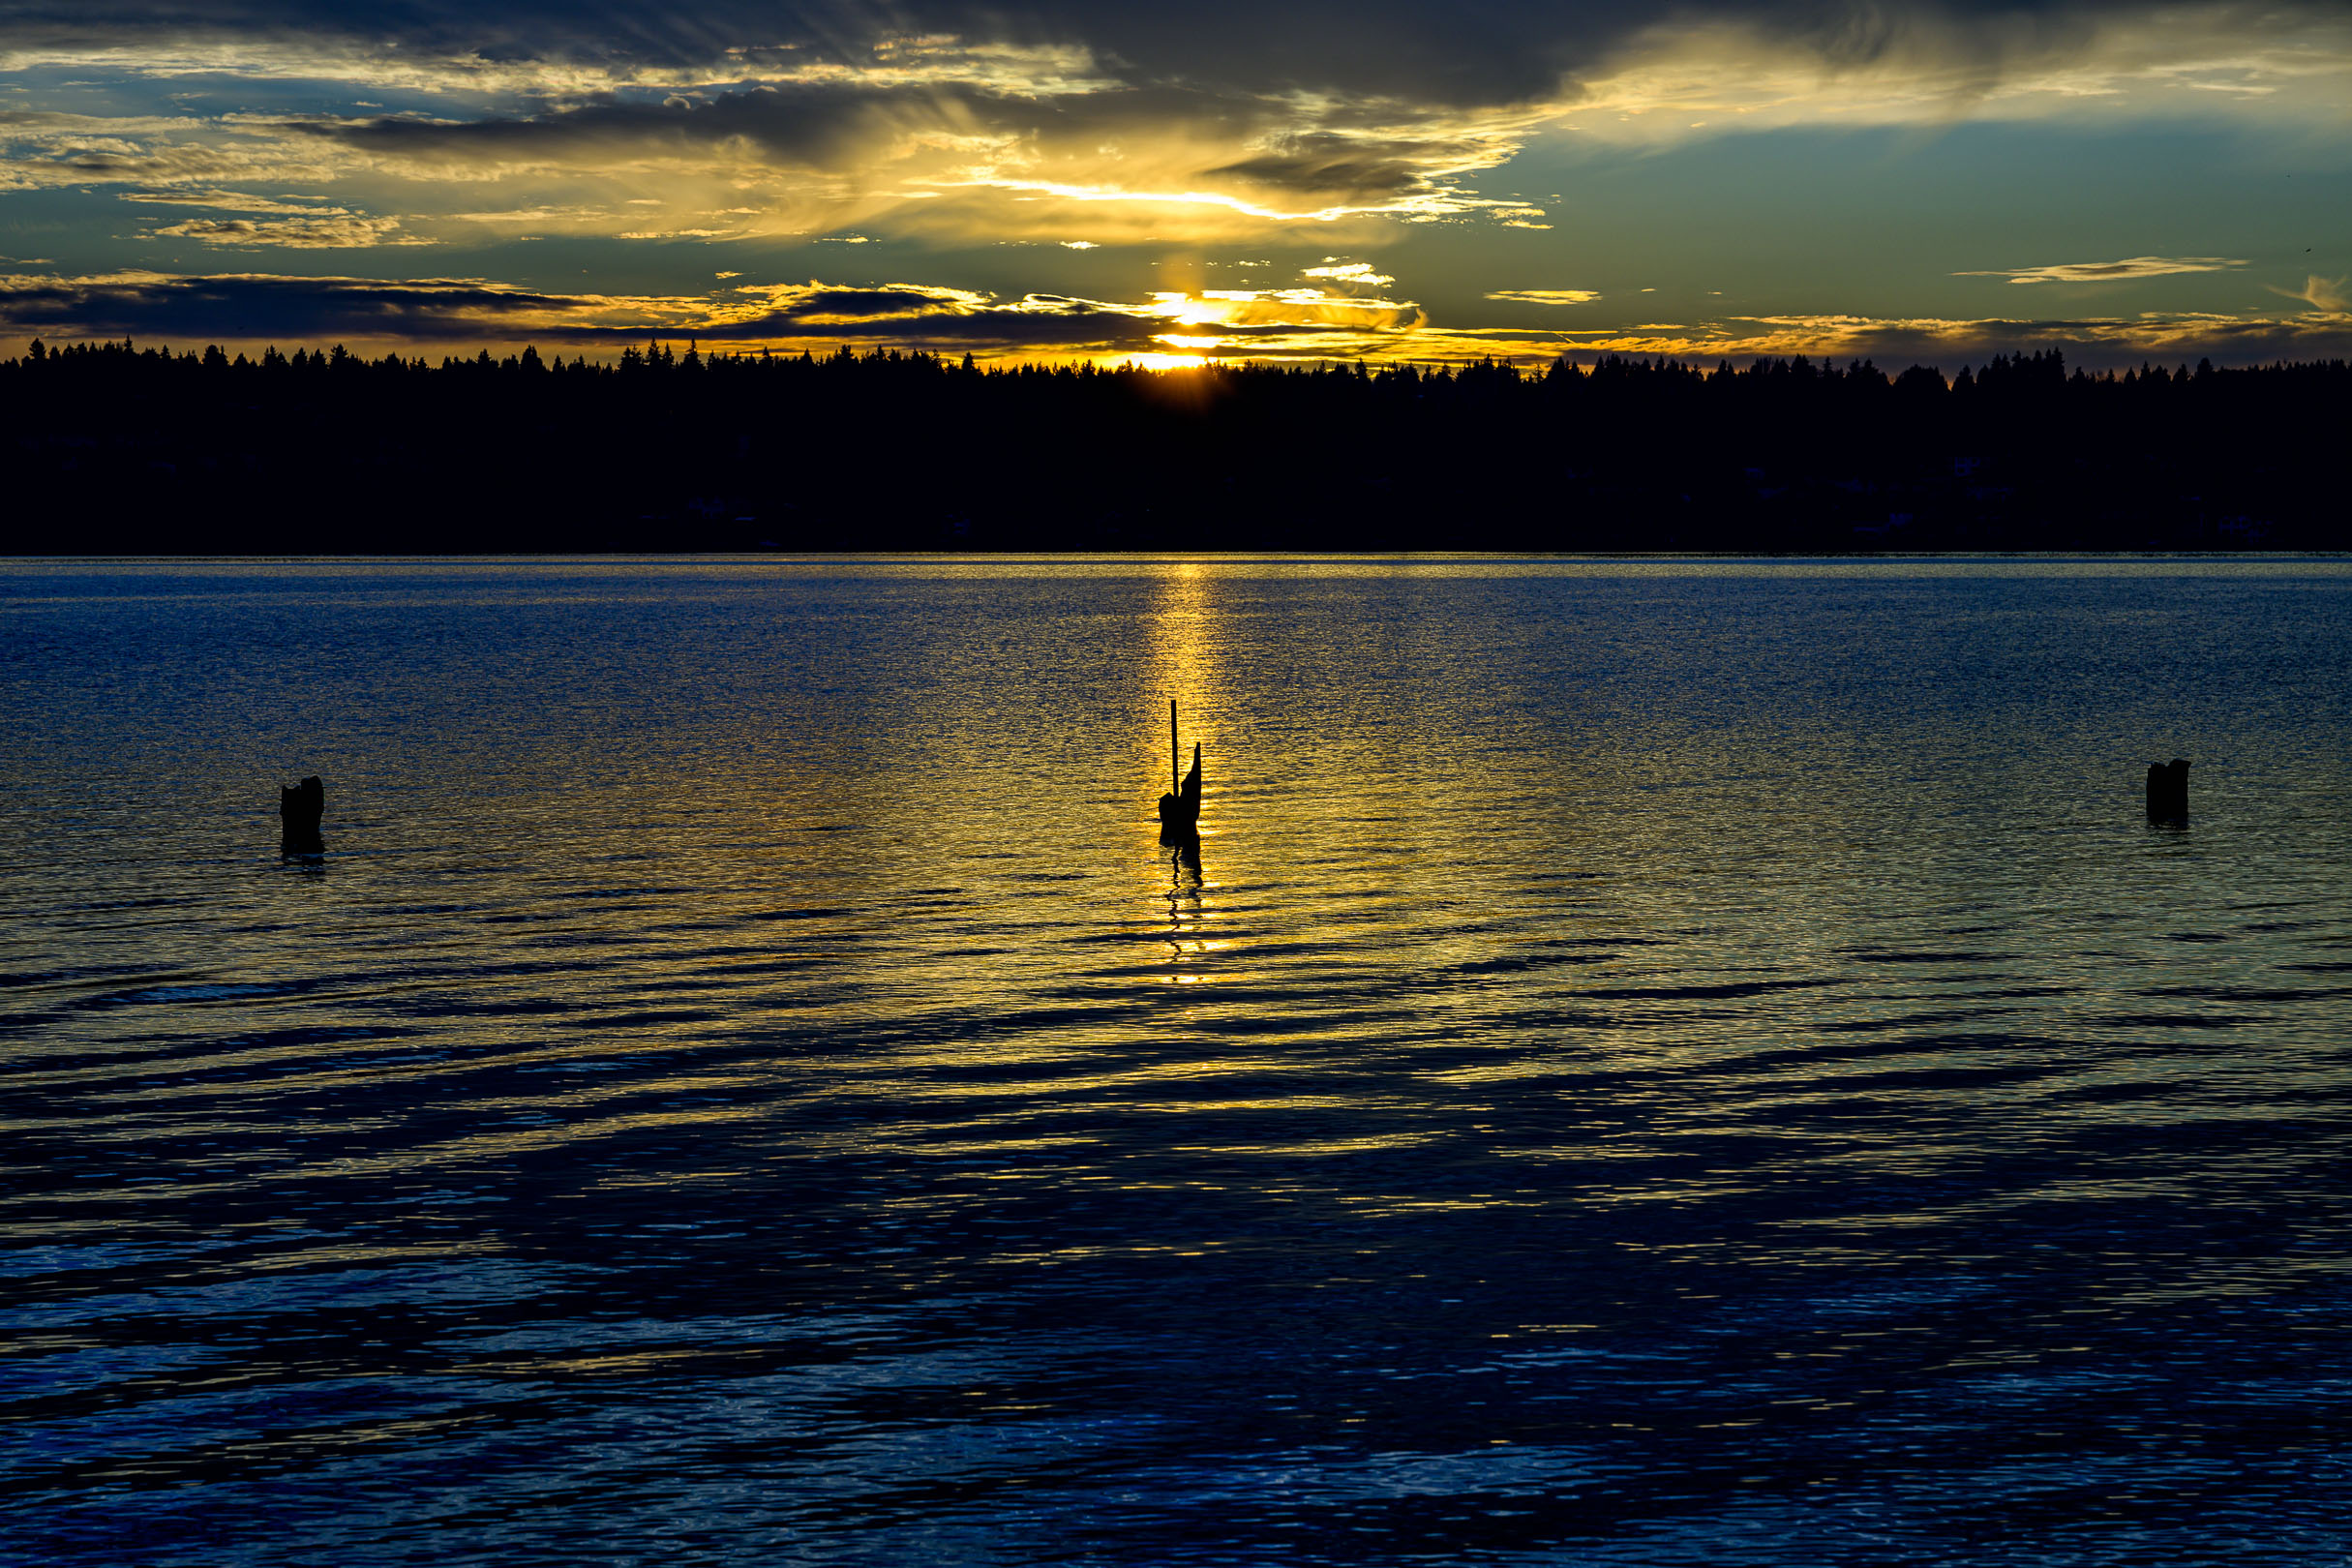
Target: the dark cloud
(869, 302)
(945, 318)
(1084, 329)
(818, 125)
(258, 307)
(253, 306)
(1334, 167)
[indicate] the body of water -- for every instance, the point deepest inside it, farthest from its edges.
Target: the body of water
(1656, 1062)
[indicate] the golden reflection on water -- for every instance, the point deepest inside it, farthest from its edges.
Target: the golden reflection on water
(854, 941)
(1184, 660)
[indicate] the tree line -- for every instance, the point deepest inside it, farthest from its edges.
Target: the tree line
(120, 447)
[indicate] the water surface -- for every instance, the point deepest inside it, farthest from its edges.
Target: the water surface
(1658, 1062)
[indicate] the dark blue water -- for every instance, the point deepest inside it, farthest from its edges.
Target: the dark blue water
(1659, 1063)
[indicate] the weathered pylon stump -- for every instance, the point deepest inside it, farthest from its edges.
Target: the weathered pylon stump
(299, 810)
(2168, 791)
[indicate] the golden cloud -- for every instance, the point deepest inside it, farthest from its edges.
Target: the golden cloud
(322, 232)
(2093, 272)
(1167, 327)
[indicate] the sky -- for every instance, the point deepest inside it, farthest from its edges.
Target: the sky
(1131, 180)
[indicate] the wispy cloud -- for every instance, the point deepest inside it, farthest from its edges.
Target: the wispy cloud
(2326, 295)
(238, 201)
(2094, 272)
(1547, 296)
(338, 232)
(1348, 272)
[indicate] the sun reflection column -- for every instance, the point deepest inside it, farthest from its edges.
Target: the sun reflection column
(1182, 661)
(1183, 652)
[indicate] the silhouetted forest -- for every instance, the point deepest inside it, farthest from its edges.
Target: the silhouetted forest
(116, 448)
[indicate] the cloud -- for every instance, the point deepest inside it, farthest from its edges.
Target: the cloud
(1168, 326)
(952, 320)
(238, 201)
(1256, 322)
(1321, 168)
(49, 150)
(2092, 272)
(1009, 163)
(1400, 51)
(2326, 295)
(81, 160)
(242, 307)
(256, 307)
(1547, 296)
(1273, 111)
(681, 233)
(1349, 272)
(531, 220)
(2089, 341)
(285, 223)
(807, 125)
(819, 304)
(338, 231)
(953, 121)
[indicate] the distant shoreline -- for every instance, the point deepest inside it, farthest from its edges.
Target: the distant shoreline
(119, 451)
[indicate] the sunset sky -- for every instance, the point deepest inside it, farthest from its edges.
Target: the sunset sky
(1114, 180)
